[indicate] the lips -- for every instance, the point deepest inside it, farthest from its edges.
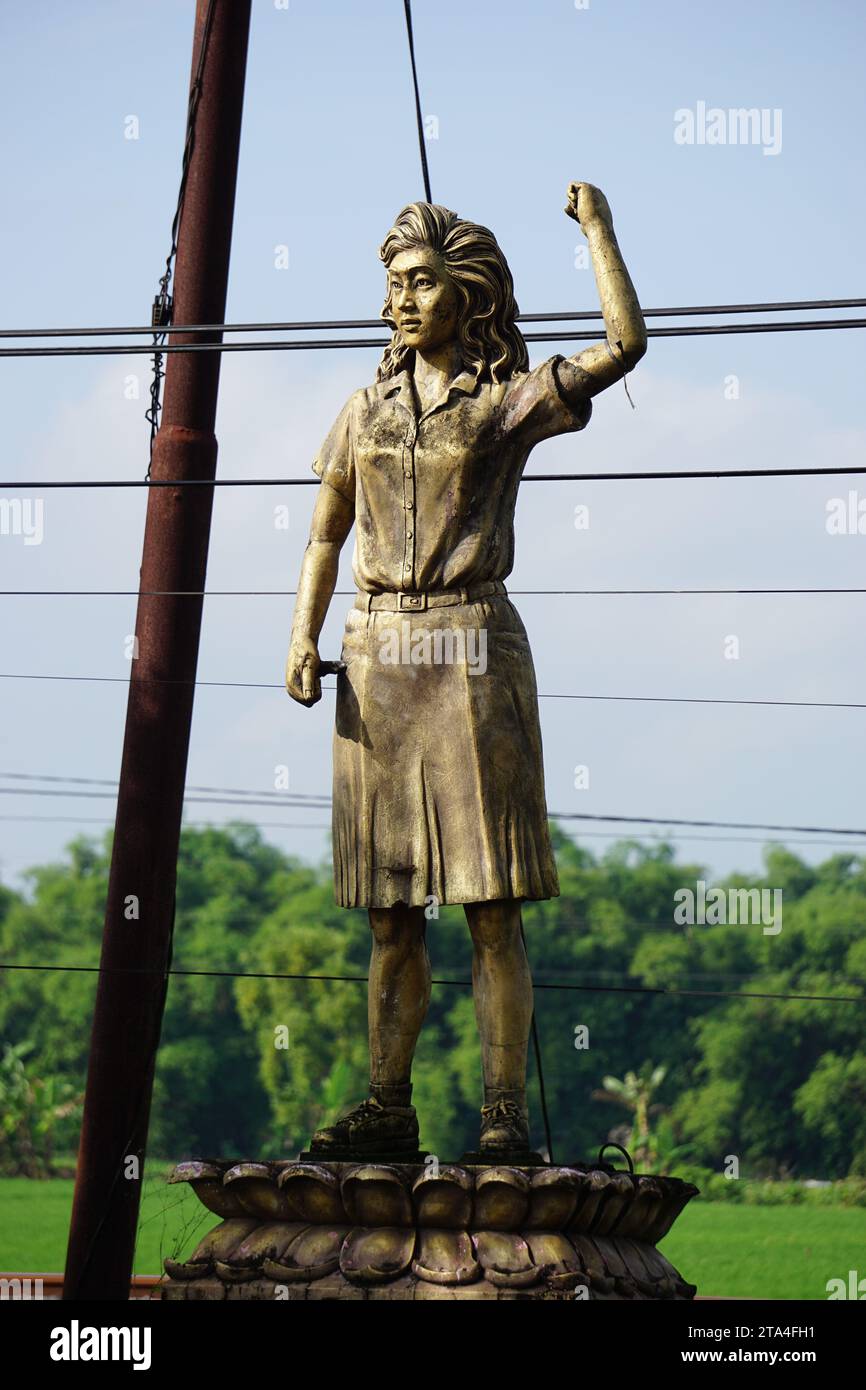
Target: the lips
(410, 323)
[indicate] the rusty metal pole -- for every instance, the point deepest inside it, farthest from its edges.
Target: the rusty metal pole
(136, 945)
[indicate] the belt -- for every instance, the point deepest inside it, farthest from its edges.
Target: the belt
(409, 601)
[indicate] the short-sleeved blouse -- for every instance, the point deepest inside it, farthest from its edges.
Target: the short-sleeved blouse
(434, 492)
(438, 768)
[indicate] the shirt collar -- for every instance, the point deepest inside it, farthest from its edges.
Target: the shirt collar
(464, 381)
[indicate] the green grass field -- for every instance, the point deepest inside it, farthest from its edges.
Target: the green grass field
(726, 1249)
(34, 1223)
(744, 1251)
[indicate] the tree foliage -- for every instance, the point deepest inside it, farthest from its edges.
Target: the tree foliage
(250, 1065)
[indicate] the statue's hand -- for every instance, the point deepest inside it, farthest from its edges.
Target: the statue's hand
(302, 671)
(588, 206)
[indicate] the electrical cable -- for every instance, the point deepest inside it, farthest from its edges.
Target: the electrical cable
(323, 344)
(321, 325)
(275, 685)
(425, 172)
(463, 984)
(668, 475)
(251, 796)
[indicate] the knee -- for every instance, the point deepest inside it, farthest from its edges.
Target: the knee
(495, 927)
(397, 928)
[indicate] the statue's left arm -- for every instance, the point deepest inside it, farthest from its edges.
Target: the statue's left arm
(601, 365)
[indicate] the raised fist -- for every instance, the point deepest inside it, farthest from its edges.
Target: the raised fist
(588, 206)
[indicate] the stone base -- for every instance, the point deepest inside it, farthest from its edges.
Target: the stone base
(334, 1231)
(314, 1156)
(512, 1158)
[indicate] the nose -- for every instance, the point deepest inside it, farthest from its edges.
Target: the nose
(405, 297)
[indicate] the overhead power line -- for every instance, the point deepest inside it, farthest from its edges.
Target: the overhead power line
(705, 824)
(425, 172)
(463, 984)
(670, 475)
(350, 593)
(201, 800)
(221, 825)
(578, 837)
(111, 782)
(326, 325)
(318, 800)
(275, 685)
(324, 344)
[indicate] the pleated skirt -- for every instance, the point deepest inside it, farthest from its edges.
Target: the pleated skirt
(438, 769)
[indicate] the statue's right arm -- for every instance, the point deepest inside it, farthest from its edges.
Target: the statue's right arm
(599, 366)
(332, 521)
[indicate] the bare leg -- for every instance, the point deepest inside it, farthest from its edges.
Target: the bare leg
(398, 995)
(502, 986)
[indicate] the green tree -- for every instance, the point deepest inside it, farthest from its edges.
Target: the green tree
(635, 1094)
(777, 1082)
(35, 1112)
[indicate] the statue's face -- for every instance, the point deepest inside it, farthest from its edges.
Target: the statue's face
(423, 299)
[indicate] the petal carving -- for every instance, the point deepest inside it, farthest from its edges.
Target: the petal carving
(267, 1241)
(206, 1181)
(253, 1184)
(619, 1197)
(593, 1190)
(554, 1257)
(553, 1197)
(375, 1195)
(615, 1265)
(501, 1199)
(216, 1245)
(643, 1208)
(377, 1256)
(677, 1194)
(506, 1259)
(599, 1279)
(312, 1192)
(444, 1199)
(311, 1254)
(445, 1257)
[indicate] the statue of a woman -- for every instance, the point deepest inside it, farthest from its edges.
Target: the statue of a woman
(438, 778)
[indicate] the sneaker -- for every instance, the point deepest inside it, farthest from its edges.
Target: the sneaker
(370, 1128)
(503, 1127)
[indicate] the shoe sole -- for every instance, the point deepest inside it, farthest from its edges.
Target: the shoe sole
(397, 1146)
(383, 1146)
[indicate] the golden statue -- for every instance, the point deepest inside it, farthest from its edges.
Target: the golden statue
(438, 777)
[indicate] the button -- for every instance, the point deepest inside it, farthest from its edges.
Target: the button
(408, 472)
(409, 535)
(409, 506)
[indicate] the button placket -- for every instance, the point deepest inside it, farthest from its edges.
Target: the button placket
(409, 498)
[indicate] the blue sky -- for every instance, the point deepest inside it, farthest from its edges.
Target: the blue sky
(527, 98)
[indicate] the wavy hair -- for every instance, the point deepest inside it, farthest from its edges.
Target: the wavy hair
(490, 340)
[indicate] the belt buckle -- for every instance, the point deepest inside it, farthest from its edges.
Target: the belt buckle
(407, 601)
